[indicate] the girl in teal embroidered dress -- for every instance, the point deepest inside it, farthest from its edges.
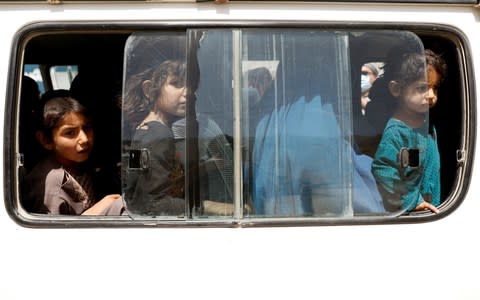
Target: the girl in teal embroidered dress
(407, 161)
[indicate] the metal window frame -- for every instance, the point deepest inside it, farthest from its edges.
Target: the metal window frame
(11, 184)
(227, 2)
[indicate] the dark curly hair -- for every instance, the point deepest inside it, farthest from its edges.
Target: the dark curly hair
(137, 103)
(437, 62)
(411, 68)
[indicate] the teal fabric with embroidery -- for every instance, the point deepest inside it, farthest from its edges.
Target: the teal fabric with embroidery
(406, 187)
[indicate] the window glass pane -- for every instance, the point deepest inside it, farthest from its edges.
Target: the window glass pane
(307, 146)
(268, 123)
(303, 159)
(298, 122)
(154, 98)
(214, 113)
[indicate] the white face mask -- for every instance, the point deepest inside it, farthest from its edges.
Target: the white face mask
(365, 83)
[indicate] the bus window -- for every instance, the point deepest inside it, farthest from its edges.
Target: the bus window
(258, 125)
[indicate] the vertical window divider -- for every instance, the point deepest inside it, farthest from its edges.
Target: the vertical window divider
(237, 136)
(345, 115)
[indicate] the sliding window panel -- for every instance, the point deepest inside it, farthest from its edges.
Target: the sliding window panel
(154, 106)
(214, 114)
(298, 129)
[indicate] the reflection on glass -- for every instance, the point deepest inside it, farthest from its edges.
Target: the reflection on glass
(278, 107)
(214, 107)
(300, 163)
(154, 98)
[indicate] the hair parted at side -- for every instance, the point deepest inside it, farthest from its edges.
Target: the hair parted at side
(56, 109)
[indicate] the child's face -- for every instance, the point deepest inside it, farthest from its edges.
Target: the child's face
(433, 84)
(414, 96)
(72, 139)
(173, 97)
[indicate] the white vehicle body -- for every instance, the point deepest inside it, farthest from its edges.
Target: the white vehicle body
(437, 259)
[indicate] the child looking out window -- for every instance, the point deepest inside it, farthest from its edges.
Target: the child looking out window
(407, 161)
(63, 182)
(154, 100)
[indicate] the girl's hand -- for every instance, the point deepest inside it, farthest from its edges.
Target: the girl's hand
(426, 206)
(101, 205)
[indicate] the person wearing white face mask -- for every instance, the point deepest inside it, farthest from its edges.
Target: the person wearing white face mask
(369, 75)
(365, 86)
(371, 71)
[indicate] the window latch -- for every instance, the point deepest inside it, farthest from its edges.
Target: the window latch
(20, 160)
(409, 157)
(139, 159)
